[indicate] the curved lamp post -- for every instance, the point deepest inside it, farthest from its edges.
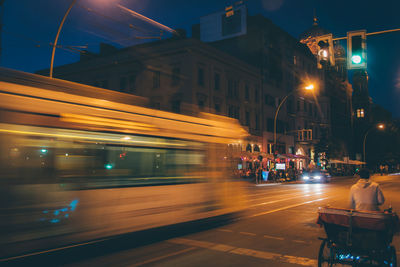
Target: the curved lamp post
(309, 87)
(379, 126)
(56, 40)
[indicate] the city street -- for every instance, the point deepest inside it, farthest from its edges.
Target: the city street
(159, 133)
(278, 229)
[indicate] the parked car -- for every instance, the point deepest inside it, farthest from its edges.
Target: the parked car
(316, 176)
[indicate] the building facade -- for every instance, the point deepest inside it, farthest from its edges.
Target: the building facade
(179, 75)
(248, 77)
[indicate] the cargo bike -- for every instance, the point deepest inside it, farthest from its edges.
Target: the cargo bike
(357, 238)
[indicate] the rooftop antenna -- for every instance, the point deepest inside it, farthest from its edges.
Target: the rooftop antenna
(315, 18)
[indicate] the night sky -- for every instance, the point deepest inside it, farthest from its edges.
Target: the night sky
(30, 25)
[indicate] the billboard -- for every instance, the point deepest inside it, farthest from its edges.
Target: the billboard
(226, 24)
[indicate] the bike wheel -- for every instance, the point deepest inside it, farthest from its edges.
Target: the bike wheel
(324, 255)
(392, 258)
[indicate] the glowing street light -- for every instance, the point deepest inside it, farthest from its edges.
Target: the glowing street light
(309, 87)
(379, 126)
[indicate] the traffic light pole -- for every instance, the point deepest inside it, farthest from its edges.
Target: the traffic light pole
(370, 33)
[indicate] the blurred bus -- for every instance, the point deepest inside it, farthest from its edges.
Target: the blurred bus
(80, 163)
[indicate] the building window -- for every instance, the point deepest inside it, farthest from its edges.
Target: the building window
(289, 106)
(237, 113)
(122, 84)
(132, 81)
(230, 89)
(257, 122)
(200, 76)
(176, 76)
(156, 79)
(200, 103)
(360, 113)
(246, 93)
(104, 84)
(248, 148)
(236, 89)
(217, 82)
(270, 125)
(176, 106)
(247, 118)
(233, 112)
(217, 108)
(256, 97)
(269, 100)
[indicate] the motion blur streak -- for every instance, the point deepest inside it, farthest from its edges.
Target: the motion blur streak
(146, 19)
(77, 169)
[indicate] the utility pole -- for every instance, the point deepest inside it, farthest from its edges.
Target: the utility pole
(1, 25)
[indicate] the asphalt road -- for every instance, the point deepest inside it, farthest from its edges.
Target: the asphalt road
(277, 229)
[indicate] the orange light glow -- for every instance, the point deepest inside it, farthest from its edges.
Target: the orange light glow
(309, 87)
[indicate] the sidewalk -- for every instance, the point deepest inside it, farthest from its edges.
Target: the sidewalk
(280, 182)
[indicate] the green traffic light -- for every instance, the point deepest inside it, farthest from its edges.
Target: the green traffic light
(356, 59)
(108, 166)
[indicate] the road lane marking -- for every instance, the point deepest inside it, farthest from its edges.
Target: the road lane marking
(247, 233)
(163, 257)
(286, 207)
(300, 241)
(225, 230)
(274, 237)
(276, 192)
(280, 200)
(52, 250)
(265, 236)
(246, 252)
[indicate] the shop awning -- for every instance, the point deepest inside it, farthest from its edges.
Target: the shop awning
(350, 162)
(253, 155)
(337, 161)
(292, 156)
(356, 162)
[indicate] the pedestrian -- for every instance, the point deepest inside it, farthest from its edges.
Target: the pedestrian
(259, 175)
(366, 195)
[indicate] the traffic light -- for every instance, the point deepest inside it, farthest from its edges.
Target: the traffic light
(356, 50)
(325, 51)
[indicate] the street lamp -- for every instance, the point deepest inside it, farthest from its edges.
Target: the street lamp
(56, 40)
(379, 126)
(309, 87)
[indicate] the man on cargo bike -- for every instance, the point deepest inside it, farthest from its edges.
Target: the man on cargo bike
(362, 235)
(366, 195)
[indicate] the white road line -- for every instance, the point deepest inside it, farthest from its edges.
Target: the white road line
(284, 199)
(272, 192)
(225, 230)
(51, 250)
(163, 257)
(247, 233)
(286, 207)
(274, 237)
(300, 241)
(265, 236)
(245, 252)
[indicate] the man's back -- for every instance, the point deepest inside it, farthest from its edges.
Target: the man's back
(366, 195)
